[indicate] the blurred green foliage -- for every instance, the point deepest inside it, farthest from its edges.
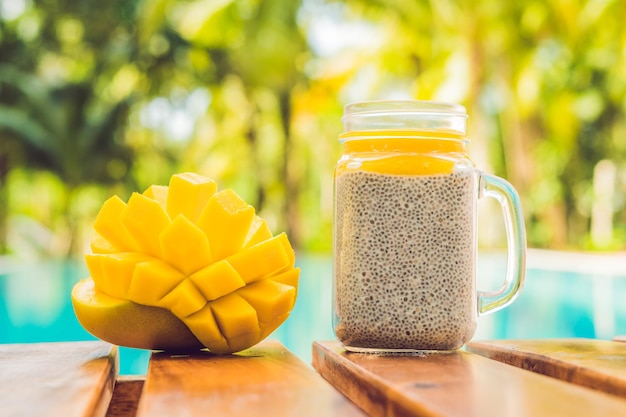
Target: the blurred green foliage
(98, 98)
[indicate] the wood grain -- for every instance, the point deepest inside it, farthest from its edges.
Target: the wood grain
(126, 395)
(454, 384)
(63, 379)
(597, 364)
(266, 380)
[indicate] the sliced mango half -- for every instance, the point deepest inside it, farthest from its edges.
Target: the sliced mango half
(129, 324)
(184, 266)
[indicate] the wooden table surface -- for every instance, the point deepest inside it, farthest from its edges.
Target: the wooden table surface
(454, 384)
(57, 379)
(596, 364)
(562, 377)
(266, 380)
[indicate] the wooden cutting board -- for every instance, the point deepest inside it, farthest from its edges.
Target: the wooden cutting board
(64, 379)
(266, 380)
(597, 364)
(454, 384)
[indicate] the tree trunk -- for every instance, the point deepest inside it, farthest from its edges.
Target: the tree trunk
(4, 202)
(290, 175)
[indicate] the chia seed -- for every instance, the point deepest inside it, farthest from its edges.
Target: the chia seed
(404, 267)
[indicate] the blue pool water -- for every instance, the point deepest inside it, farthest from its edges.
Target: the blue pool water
(573, 301)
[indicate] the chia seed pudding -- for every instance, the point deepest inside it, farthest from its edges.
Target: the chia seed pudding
(405, 261)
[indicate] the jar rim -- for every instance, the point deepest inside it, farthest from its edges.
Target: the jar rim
(425, 107)
(420, 115)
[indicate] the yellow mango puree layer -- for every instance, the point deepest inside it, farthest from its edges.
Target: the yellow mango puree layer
(401, 152)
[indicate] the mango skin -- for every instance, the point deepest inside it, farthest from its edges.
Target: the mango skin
(125, 323)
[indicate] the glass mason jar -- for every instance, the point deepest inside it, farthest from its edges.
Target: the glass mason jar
(405, 230)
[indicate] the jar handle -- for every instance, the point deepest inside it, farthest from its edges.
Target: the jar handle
(502, 191)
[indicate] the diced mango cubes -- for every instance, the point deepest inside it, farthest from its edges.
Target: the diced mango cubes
(184, 300)
(226, 220)
(107, 225)
(201, 255)
(269, 298)
(237, 320)
(151, 281)
(145, 219)
(184, 246)
(204, 326)
(101, 245)
(289, 277)
(188, 194)
(217, 280)
(112, 272)
(158, 193)
(258, 232)
(263, 259)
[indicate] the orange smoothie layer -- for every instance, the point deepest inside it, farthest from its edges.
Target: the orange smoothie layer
(401, 152)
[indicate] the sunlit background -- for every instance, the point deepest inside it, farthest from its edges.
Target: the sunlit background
(107, 97)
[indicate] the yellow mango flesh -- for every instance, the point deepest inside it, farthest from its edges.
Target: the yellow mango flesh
(184, 300)
(217, 280)
(101, 245)
(203, 324)
(289, 277)
(188, 194)
(112, 273)
(145, 219)
(258, 232)
(263, 259)
(151, 281)
(185, 246)
(158, 193)
(107, 225)
(226, 220)
(270, 299)
(186, 254)
(237, 320)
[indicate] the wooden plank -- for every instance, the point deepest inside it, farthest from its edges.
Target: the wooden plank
(597, 364)
(266, 380)
(63, 379)
(453, 385)
(126, 395)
